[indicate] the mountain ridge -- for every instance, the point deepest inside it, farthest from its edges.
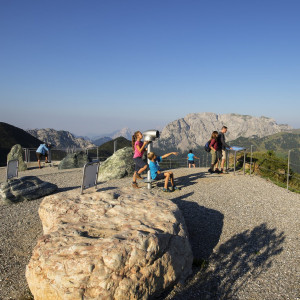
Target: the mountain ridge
(60, 138)
(195, 129)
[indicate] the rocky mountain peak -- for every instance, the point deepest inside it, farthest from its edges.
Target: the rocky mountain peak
(60, 138)
(196, 128)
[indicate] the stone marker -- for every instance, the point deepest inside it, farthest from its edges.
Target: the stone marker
(16, 152)
(74, 160)
(106, 246)
(24, 188)
(119, 165)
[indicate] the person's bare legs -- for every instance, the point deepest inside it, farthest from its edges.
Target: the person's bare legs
(167, 177)
(222, 163)
(172, 178)
(39, 162)
(142, 170)
(134, 177)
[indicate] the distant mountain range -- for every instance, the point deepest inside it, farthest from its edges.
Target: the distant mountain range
(194, 130)
(124, 132)
(60, 138)
(190, 132)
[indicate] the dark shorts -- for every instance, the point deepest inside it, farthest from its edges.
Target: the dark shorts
(139, 163)
(40, 155)
(191, 162)
(159, 176)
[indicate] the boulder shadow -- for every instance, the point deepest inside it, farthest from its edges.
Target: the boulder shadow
(204, 226)
(185, 180)
(241, 258)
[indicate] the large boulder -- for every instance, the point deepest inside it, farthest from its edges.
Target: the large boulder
(119, 165)
(100, 245)
(16, 152)
(74, 160)
(25, 188)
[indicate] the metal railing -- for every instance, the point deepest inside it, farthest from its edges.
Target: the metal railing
(287, 171)
(60, 154)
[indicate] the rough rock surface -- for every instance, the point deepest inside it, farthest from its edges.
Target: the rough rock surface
(102, 245)
(25, 188)
(16, 152)
(60, 138)
(195, 129)
(119, 165)
(74, 160)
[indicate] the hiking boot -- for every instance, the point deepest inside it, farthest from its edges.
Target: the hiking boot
(166, 190)
(135, 185)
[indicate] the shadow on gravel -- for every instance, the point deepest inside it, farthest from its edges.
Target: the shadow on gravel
(243, 257)
(65, 189)
(203, 224)
(190, 179)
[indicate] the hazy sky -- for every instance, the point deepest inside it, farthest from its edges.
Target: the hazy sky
(91, 67)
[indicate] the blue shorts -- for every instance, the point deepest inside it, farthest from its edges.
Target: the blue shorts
(139, 163)
(191, 162)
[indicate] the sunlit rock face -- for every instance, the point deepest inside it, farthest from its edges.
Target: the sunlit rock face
(195, 129)
(102, 245)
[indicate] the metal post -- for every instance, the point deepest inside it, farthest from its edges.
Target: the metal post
(25, 153)
(251, 160)
(244, 160)
(97, 153)
(288, 172)
(199, 162)
(115, 145)
(234, 161)
(148, 173)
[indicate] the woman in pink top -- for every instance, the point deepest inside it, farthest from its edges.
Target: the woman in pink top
(139, 148)
(213, 151)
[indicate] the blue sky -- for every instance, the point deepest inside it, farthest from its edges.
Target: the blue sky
(92, 67)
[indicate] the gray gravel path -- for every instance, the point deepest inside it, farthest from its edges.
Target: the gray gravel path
(244, 233)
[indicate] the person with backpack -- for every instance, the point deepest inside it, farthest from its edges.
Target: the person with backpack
(222, 146)
(213, 151)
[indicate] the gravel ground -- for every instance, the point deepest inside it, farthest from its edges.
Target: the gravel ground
(244, 233)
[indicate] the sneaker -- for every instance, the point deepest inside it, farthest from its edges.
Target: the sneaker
(166, 190)
(135, 185)
(217, 171)
(210, 171)
(175, 188)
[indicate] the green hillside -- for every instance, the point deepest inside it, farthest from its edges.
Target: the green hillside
(280, 143)
(10, 136)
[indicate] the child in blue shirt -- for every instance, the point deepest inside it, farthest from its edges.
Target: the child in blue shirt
(190, 158)
(155, 172)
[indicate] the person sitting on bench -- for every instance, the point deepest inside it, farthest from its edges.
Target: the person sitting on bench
(155, 172)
